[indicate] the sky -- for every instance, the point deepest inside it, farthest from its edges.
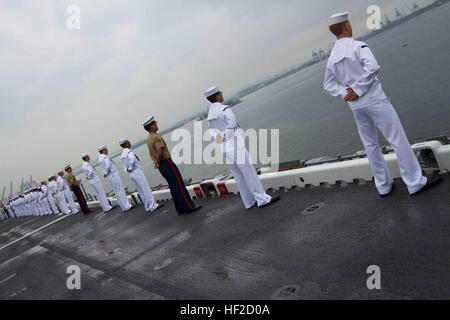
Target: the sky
(65, 92)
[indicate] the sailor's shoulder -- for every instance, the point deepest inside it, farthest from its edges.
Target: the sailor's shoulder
(124, 153)
(225, 107)
(359, 45)
(214, 110)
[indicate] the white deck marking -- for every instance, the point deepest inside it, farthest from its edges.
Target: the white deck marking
(6, 279)
(33, 232)
(10, 260)
(19, 292)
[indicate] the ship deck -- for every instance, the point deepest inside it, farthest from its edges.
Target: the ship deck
(226, 252)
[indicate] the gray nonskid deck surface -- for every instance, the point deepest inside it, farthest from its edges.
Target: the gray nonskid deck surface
(226, 252)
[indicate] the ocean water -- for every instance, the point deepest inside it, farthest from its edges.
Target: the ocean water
(415, 70)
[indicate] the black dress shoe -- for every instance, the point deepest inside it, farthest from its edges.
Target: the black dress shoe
(274, 199)
(432, 182)
(390, 192)
(197, 207)
(159, 206)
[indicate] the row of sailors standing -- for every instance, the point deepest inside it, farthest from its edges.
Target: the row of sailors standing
(351, 74)
(44, 200)
(58, 192)
(131, 165)
(223, 124)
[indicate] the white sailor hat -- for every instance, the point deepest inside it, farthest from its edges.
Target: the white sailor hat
(51, 176)
(211, 91)
(338, 18)
(59, 171)
(149, 121)
(84, 155)
(101, 148)
(67, 167)
(123, 140)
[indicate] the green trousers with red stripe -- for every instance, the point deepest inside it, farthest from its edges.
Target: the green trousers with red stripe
(180, 195)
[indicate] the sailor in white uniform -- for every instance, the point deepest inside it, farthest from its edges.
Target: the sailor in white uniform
(35, 197)
(52, 191)
(60, 197)
(49, 197)
(44, 200)
(351, 74)
(226, 131)
(93, 178)
(16, 206)
(109, 171)
(65, 190)
(132, 166)
(30, 205)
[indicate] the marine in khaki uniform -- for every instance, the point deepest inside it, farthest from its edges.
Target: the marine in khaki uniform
(160, 156)
(74, 185)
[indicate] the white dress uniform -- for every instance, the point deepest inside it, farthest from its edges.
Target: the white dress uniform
(16, 206)
(60, 201)
(131, 162)
(26, 205)
(52, 190)
(19, 207)
(60, 197)
(68, 195)
(221, 119)
(44, 200)
(37, 207)
(352, 64)
(29, 205)
(36, 203)
(109, 169)
(93, 178)
(40, 202)
(50, 199)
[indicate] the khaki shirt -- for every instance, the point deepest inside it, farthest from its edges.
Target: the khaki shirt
(155, 142)
(71, 180)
